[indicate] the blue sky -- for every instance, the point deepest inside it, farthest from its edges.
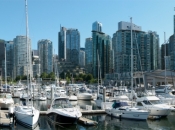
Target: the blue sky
(46, 16)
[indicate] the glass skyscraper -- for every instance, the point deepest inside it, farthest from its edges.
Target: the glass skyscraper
(102, 46)
(88, 55)
(69, 45)
(45, 49)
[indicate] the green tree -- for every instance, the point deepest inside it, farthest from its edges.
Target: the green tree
(51, 75)
(43, 75)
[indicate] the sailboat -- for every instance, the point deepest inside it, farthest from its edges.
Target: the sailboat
(27, 115)
(121, 109)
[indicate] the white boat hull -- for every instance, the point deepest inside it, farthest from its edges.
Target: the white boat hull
(128, 114)
(84, 96)
(28, 117)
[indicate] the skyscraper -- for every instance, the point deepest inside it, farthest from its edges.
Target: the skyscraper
(69, 45)
(45, 49)
(145, 49)
(22, 56)
(88, 55)
(102, 46)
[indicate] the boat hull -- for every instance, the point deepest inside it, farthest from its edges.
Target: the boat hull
(27, 120)
(61, 119)
(128, 114)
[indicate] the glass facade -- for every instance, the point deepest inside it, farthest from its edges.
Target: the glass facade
(88, 54)
(69, 45)
(102, 46)
(45, 49)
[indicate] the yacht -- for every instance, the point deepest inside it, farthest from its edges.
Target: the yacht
(6, 100)
(62, 112)
(123, 110)
(154, 106)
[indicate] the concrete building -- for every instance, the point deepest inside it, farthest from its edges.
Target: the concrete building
(82, 57)
(22, 56)
(88, 55)
(45, 49)
(69, 45)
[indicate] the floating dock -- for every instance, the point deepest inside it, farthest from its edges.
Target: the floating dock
(5, 120)
(83, 112)
(86, 121)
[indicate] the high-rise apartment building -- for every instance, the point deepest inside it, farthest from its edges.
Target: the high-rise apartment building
(45, 50)
(88, 55)
(69, 45)
(82, 57)
(102, 46)
(22, 56)
(145, 49)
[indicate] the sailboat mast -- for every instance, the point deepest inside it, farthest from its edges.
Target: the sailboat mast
(165, 57)
(27, 47)
(5, 70)
(131, 57)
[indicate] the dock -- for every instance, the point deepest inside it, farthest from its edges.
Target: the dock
(86, 121)
(5, 120)
(83, 112)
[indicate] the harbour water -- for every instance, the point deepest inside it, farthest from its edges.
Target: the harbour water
(105, 122)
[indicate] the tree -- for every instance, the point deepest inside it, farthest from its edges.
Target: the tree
(43, 75)
(52, 76)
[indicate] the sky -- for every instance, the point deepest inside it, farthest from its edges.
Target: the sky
(46, 16)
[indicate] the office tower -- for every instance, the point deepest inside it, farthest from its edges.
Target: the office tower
(88, 55)
(97, 26)
(45, 49)
(69, 45)
(102, 46)
(82, 57)
(22, 56)
(62, 44)
(145, 49)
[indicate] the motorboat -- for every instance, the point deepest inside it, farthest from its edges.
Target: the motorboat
(84, 96)
(6, 100)
(123, 110)
(162, 89)
(72, 98)
(26, 115)
(40, 97)
(62, 112)
(153, 105)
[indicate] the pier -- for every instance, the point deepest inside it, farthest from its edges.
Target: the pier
(5, 119)
(83, 112)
